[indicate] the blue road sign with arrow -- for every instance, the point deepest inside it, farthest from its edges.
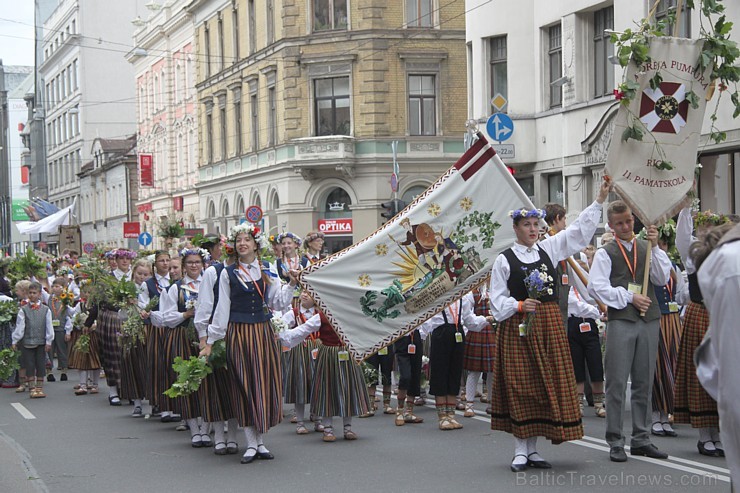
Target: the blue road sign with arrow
(145, 239)
(500, 127)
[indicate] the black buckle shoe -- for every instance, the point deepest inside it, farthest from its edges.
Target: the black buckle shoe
(249, 459)
(538, 464)
(265, 456)
(648, 450)
(518, 467)
(704, 451)
(617, 454)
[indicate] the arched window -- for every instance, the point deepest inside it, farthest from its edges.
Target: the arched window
(240, 208)
(337, 204)
(412, 193)
(211, 212)
(225, 209)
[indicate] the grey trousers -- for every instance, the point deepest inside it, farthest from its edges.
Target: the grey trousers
(631, 350)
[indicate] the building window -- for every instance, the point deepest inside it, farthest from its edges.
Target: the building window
(555, 59)
(272, 117)
(220, 34)
(666, 7)
(255, 121)
(222, 127)
(555, 189)
(719, 183)
(422, 105)
(329, 14)
(499, 81)
(238, 121)
(252, 27)
(419, 13)
(207, 48)
(270, 6)
(527, 184)
(235, 31)
(209, 134)
(332, 106)
(603, 49)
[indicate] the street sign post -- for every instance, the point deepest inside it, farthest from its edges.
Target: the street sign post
(88, 248)
(500, 127)
(145, 239)
(499, 102)
(254, 214)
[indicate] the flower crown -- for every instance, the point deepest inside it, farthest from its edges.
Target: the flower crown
(64, 271)
(313, 236)
(521, 213)
(202, 252)
(123, 253)
(709, 218)
(294, 237)
(253, 230)
(273, 239)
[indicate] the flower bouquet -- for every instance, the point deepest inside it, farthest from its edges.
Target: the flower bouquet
(8, 311)
(8, 363)
(278, 324)
(539, 283)
(424, 371)
(67, 298)
(370, 373)
(190, 374)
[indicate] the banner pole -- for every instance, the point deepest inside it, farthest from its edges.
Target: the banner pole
(646, 277)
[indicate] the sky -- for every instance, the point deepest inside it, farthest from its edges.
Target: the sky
(16, 32)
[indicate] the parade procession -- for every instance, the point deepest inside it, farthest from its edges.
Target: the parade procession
(292, 246)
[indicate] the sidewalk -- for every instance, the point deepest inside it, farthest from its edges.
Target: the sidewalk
(17, 475)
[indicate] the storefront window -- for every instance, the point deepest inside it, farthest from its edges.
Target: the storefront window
(719, 183)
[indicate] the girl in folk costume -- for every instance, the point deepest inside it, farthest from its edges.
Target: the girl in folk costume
(409, 353)
(479, 352)
(533, 383)
(134, 358)
(86, 362)
(314, 242)
(447, 333)
(177, 308)
(298, 365)
(215, 391)
(156, 287)
(670, 298)
(246, 296)
(109, 325)
(692, 403)
(339, 385)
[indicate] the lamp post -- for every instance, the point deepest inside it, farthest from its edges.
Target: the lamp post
(4, 171)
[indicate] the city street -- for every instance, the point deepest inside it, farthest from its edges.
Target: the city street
(68, 443)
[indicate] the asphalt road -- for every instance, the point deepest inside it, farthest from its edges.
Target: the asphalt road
(68, 443)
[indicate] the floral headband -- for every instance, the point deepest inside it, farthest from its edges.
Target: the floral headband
(64, 271)
(313, 236)
(201, 252)
(273, 239)
(123, 253)
(709, 218)
(253, 230)
(522, 213)
(295, 238)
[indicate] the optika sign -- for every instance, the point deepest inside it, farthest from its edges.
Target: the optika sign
(335, 226)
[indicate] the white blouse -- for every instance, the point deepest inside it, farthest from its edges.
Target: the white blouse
(296, 332)
(467, 317)
(169, 314)
(684, 238)
(205, 301)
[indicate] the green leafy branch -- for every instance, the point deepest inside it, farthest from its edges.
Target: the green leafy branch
(486, 229)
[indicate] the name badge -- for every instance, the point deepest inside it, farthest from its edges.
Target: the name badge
(458, 337)
(412, 349)
(343, 355)
(265, 309)
(673, 307)
(585, 327)
(314, 353)
(634, 288)
(523, 330)
(55, 323)
(286, 349)
(383, 352)
(564, 279)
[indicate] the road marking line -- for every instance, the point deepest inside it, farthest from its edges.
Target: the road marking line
(22, 410)
(604, 448)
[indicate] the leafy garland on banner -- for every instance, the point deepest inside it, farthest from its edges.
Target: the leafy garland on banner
(719, 50)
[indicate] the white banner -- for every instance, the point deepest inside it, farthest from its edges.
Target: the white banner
(437, 249)
(49, 224)
(663, 114)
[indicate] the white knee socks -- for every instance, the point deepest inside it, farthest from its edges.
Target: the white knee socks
(300, 412)
(471, 385)
(520, 451)
(218, 432)
(231, 433)
(83, 377)
(532, 449)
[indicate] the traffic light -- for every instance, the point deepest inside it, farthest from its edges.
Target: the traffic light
(391, 208)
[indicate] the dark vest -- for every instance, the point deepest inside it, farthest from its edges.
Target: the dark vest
(664, 295)
(519, 271)
(327, 334)
(562, 269)
(621, 276)
(282, 267)
(35, 330)
(154, 290)
(246, 302)
(694, 289)
(219, 268)
(181, 302)
(482, 305)
(62, 314)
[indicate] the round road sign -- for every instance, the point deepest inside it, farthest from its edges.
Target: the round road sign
(254, 214)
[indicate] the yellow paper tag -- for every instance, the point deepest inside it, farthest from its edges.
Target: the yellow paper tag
(522, 330)
(458, 337)
(673, 307)
(55, 323)
(383, 352)
(634, 288)
(343, 355)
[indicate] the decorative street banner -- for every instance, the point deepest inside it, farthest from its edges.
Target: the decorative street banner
(654, 174)
(437, 249)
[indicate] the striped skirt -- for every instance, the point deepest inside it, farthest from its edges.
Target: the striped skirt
(109, 325)
(215, 396)
(156, 376)
(664, 384)
(255, 375)
(693, 404)
(534, 386)
(133, 372)
(339, 386)
(299, 370)
(177, 342)
(84, 361)
(479, 350)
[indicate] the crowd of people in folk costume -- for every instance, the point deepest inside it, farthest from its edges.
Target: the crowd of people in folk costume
(534, 335)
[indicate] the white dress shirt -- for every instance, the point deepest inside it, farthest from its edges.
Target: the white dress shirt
(684, 238)
(20, 325)
(467, 319)
(169, 315)
(205, 301)
(580, 308)
(617, 297)
(568, 242)
(118, 273)
(278, 296)
(296, 332)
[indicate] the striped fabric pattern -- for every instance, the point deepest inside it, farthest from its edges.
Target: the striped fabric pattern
(133, 372)
(215, 398)
(255, 375)
(156, 375)
(299, 370)
(664, 384)
(339, 386)
(693, 405)
(178, 343)
(110, 354)
(84, 361)
(533, 379)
